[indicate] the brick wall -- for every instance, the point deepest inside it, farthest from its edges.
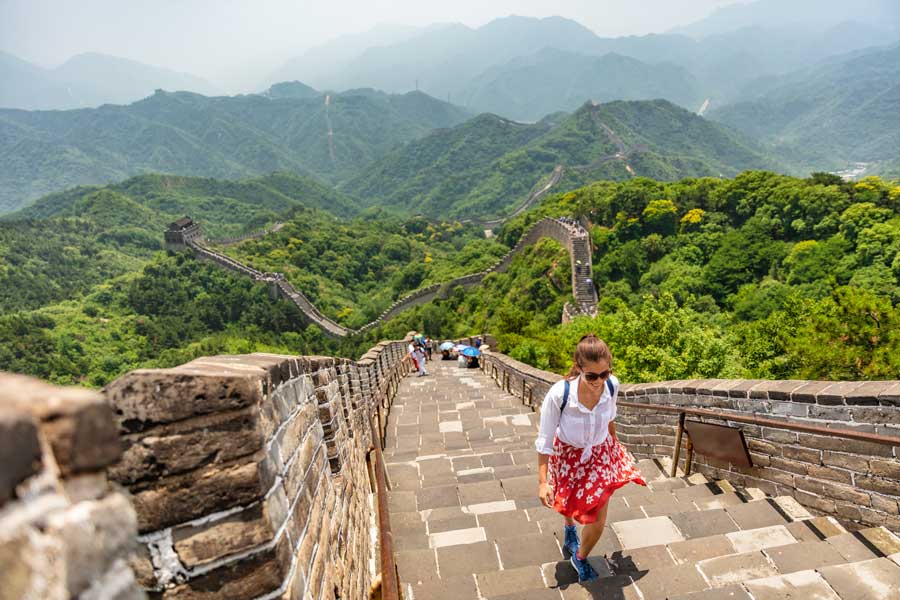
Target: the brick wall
(229, 477)
(249, 474)
(855, 481)
(65, 531)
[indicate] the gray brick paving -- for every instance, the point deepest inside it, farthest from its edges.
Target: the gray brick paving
(467, 523)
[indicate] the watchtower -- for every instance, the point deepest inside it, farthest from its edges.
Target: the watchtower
(182, 233)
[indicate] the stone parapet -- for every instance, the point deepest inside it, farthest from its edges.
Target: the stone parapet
(856, 481)
(65, 531)
(249, 474)
(567, 232)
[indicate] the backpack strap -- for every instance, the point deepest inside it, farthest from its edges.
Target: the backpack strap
(609, 386)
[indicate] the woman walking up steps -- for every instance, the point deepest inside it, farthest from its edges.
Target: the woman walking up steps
(580, 460)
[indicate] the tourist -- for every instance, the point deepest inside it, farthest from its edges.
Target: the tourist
(580, 460)
(419, 355)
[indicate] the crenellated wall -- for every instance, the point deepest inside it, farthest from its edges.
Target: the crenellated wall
(249, 474)
(567, 232)
(228, 477)
(65, 531)
(853, 480)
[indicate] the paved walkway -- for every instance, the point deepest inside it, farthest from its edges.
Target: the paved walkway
(468, 526)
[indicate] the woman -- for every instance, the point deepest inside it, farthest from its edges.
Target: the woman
(577, 444)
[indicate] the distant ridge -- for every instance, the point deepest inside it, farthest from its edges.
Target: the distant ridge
(225, 137)
(489, 165)
(87, 80)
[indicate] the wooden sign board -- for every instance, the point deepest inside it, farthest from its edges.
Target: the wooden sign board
(719, 441)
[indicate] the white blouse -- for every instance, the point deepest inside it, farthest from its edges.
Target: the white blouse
(578, 426)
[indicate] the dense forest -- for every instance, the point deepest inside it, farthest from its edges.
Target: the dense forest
(488, 166)
(223, 137)
(762, 276)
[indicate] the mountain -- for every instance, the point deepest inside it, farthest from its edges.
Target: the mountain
(809, 15)
(471, 65)
(224, 137)
(446, 164)
(527, 88)
(87, 80)
(226, 208)
(842, 111)
(488, 166)
(291, 89)
(318, 63)
(441, 58)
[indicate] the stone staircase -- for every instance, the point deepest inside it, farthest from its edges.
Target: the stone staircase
(467, 524)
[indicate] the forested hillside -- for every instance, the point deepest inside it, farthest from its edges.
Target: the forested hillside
(844, 111)
(66, 243)
(763, 276)
(352, 270)
(760, 276)
(530, 87)
(332, 137)
(84, 300)
(489, 166)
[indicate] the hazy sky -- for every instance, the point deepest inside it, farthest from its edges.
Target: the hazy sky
(229, 40)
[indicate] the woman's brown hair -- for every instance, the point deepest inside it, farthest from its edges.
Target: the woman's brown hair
(590, 348)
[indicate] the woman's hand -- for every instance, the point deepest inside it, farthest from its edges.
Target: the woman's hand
(545, 493)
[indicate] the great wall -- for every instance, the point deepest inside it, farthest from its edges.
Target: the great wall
(187, 234)
(263, 476)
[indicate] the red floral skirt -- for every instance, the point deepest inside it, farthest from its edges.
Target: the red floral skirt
(582, 488)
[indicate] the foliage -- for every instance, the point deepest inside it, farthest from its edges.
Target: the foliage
(352, 270)
(173, 310)
(765, 276)
(489, 165)
(222, 137)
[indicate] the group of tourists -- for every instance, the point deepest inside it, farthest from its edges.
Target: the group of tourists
(418, 352)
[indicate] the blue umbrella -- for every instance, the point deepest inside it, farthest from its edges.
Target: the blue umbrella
(469, 351)
(446, 346)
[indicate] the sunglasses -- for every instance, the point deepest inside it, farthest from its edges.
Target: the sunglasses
(595, 376)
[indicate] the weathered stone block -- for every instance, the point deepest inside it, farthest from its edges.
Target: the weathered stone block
(810, 455)
(93, 535)
(843, 445)
(31, 562)
(148, 397)
(879, 484)
(251, 577)
(845, 492)
(180, 447)
(20, 450)
(173, 500)
(835, 393)
(859, 464)
(886, 468)
(238, 532)
(75, 421)
(886, 504)
(831, 474)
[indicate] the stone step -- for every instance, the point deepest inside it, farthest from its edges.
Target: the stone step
(661, 572)
(468, 525)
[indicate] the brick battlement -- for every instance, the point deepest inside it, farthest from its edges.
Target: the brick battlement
(249, 477)
(855, 481)
(185, 234)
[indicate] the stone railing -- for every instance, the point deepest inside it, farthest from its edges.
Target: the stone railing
(248, 478)
(856, 481)
(567, 232)
(65, 532)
